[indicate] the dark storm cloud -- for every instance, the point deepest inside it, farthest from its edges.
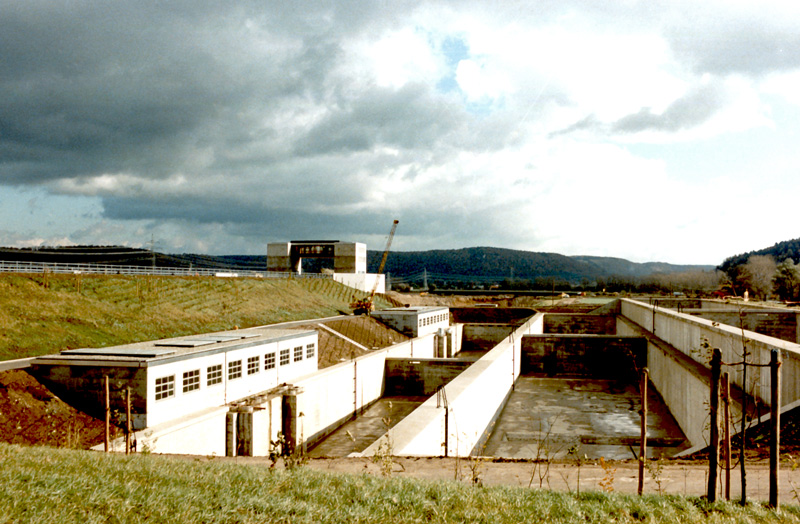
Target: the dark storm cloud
(282, 222)
(406, 118)
(691, 110)
(109, 87)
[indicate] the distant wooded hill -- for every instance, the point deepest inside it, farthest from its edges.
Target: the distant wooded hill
(498, 264)
(780, 252)
(476, 263)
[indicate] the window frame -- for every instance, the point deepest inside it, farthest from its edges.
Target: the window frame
(190, 381)
(165, 387)
(214, 375)
(235, 369)
(253, 369)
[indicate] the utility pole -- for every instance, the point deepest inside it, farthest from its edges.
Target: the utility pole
(153, 250)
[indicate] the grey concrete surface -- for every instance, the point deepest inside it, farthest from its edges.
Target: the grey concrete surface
(546, 418)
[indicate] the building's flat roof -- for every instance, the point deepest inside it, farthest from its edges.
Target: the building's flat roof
(413, 309)
(178, 348)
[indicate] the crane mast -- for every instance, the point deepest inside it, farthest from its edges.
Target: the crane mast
(365, 305)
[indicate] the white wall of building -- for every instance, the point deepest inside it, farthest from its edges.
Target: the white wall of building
(230, 389)
(415, 321)
(362, 281)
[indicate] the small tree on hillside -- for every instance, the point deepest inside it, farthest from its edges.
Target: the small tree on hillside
(787, 280)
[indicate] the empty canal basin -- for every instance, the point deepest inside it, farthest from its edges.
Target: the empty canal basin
(357, 434)
(547, 418)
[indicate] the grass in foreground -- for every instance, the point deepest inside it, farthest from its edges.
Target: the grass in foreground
(60, 486)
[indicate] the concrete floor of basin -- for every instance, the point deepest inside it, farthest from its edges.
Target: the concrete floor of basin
(357, 434)
(547, 417)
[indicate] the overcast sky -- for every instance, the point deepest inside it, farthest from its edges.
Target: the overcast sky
(653, 131)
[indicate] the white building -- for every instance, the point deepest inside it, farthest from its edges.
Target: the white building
(172, 378)
(415, 321)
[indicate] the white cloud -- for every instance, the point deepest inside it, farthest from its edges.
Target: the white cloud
(402, 57)
(785, 85)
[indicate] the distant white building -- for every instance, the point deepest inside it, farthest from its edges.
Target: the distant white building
(415, 321)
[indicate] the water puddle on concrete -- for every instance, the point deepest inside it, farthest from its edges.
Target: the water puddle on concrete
(357, 434)
(546, 418)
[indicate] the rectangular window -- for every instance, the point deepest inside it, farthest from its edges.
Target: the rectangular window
(284, 357)
(269, 361)
(298, 353)
(234, 369)
(165, 387)
(214, 374)
(191, 380)
(310, 350)
(253, 365)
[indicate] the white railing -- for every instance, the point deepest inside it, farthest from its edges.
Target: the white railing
(109, 269)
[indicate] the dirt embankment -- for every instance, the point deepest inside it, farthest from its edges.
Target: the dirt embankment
(31, 415)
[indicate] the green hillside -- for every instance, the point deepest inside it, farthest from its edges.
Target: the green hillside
(780, 252)
(497, 264)
(41, 314)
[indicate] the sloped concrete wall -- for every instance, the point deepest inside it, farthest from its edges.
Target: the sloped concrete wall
(682, 382)
(777, 324)
(474, 399)
(687, 333)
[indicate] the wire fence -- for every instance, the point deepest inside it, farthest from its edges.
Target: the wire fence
(108, 269)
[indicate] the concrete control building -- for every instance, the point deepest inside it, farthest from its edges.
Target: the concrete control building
(348, 257)
(349, 261)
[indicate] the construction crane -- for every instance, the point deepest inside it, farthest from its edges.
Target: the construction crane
(365, 306)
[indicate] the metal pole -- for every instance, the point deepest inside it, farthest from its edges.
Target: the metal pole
(108, 415)
(643, 440)
(713, 455)
(775, 426)
(726, 392)
(127, 420)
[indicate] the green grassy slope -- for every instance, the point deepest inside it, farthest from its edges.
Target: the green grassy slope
(62, 486)
(41, 314)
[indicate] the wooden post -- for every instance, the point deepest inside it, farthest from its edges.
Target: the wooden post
(726, 439)
(643, 440)
(107, 436)
(127, 420)
(775, 426)
(713, 451)
(743, 432)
